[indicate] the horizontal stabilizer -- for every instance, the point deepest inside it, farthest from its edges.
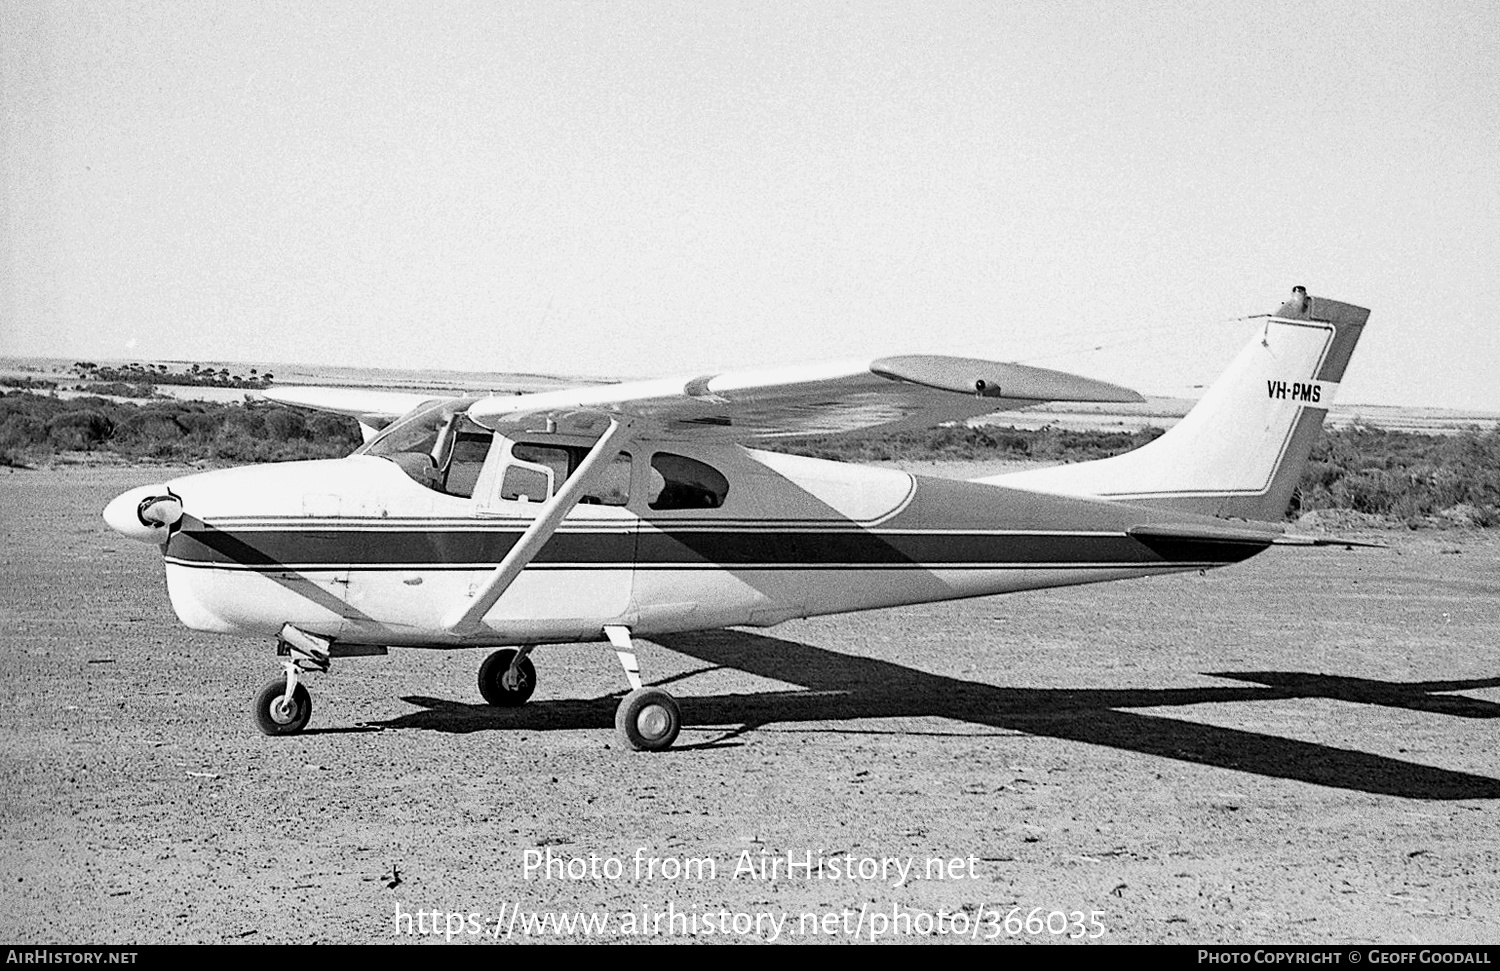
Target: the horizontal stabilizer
(1329, 541)
(1206, 533)
(1228, 533)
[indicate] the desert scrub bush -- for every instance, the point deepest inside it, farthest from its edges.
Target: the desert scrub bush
(149, 426)
(19, 431)
(201, 425)
(27, 383)
(22, 439)
(1404, 475)
(335, 429)
(84, 429)
(284, 424)
(186, 431)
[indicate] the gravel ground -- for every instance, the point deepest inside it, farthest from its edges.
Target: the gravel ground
(1296, 749)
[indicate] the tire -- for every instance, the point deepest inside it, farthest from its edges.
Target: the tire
(491, 679)
(648, 720)
(272, 719)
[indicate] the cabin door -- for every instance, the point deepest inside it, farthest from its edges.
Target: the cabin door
(581, 580)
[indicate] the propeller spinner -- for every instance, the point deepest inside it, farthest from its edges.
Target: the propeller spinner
(147, 513)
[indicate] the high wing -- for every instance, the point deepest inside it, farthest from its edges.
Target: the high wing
(890, 393)
(372, 409)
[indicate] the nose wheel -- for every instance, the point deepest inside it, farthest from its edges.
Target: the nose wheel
(284, 706)
(275, 714)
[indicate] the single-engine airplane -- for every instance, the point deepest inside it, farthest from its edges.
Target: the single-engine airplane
(622, 511)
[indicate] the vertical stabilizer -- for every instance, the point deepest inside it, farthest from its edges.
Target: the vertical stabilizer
(1240, 451)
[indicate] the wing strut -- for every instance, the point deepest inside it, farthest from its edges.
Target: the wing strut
(465, 620)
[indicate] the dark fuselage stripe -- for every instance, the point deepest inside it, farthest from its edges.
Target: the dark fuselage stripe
(746, 549)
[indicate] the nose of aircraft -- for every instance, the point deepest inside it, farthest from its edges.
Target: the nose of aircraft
(146, 513)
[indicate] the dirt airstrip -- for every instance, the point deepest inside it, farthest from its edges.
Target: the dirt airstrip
(1301, 748)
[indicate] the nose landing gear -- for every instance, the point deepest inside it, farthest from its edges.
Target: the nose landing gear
(284, 706)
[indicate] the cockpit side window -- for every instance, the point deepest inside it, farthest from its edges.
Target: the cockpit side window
(678, 482)
(551, 456)
(522, 484)
(470, 447)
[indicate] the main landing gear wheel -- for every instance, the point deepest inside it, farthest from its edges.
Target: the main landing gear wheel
(648, 720)
(506, 682)
(274, 715)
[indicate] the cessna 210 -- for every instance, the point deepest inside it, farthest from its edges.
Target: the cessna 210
(623, 511)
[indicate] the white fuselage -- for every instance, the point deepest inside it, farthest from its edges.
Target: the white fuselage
(359, 551)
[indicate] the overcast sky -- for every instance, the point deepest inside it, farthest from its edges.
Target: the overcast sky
(631, 189)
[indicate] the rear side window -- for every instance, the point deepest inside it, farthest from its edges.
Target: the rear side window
(678, 482)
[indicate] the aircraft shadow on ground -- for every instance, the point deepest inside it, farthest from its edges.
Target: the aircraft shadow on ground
(842, 687)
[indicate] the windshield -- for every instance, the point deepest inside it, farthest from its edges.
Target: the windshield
(416, 432)
(437, 446)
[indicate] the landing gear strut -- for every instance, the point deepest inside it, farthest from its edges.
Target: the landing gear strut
(283, 706)
(648, 719)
